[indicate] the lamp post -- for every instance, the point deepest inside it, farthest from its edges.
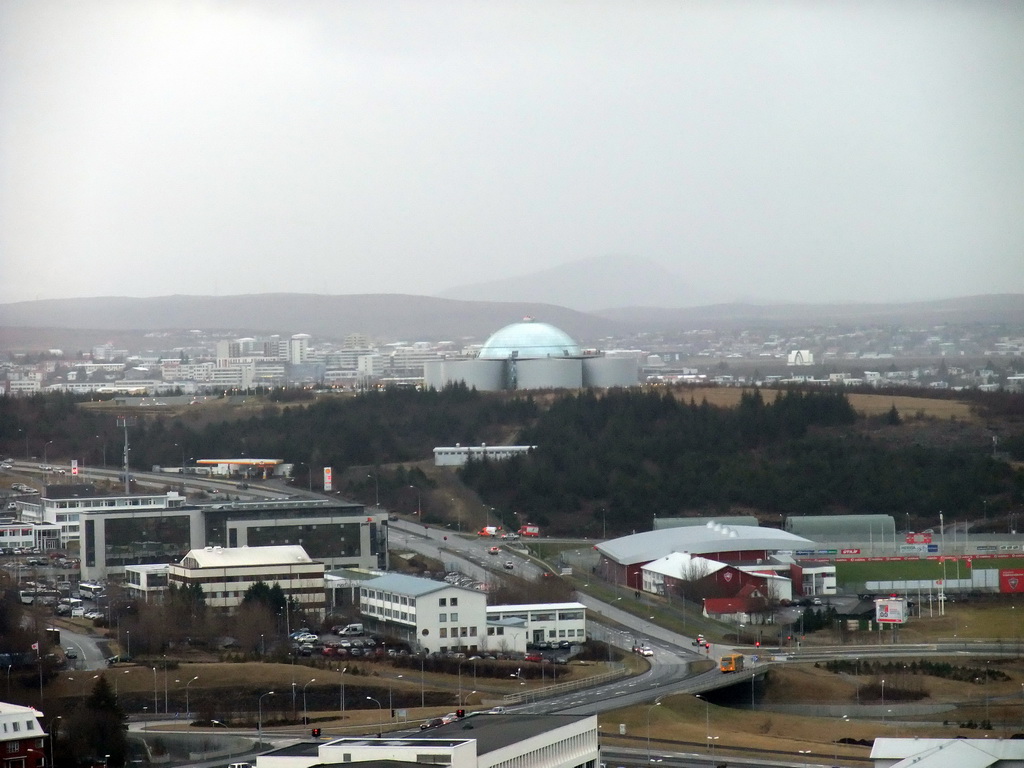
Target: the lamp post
(463, 661)
(188, 710)
(98, 438)
(419, 502)
(127, 671)
(391, 699)
(156, 708)
(341, 693)
(380, 729)
(305, 711)
(166, 695)
(804, 752)
(376, 489)
(45, 447)
(260, 721)
(128, 636)
(883, 698)
(423, 657)
(51, 730)
(657, 703)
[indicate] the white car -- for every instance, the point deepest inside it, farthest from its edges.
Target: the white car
(645, 651)
(307, 637)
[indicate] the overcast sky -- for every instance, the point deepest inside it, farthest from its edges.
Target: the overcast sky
(800, 151)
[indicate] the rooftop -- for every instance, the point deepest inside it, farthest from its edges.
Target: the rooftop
(651, 545)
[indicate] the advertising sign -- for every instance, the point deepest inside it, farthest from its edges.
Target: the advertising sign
(849, 552)
(327, 479)
(74, 466)
(919, 538)
(891, 610)
(1011, 580)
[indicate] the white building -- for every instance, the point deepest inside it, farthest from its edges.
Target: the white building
(458, 455)
(943, 753)
(147, 583)
(478, 741)
(545, 622)
(433, 615)
(225, 574)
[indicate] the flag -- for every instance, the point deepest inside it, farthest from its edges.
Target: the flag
(35, 647)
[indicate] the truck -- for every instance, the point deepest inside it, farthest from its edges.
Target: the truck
(529, 529)
(488, 530)
(731, 663)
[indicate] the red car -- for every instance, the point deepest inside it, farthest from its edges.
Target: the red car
(534, 657)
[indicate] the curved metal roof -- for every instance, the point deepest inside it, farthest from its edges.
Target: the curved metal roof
(714, 537)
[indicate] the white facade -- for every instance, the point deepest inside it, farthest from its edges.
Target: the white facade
(458, 455)
(225, 574)
(146, 582)
(546, 622)
(433, 615)
(22, 737)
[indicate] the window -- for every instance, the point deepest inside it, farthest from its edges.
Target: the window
(472, 631)
(551, 633)
(442, 617)
(13, 746)
(444, 631)
(561, 633)
(455, 601)
(463, 631)
(490, 631)
(455, 617)
(442, 602)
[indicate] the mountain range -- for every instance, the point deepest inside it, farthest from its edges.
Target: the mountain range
(594, 300)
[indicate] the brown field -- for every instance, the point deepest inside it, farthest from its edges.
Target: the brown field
(868, 405)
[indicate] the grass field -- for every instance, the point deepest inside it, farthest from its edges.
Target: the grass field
(899, 570)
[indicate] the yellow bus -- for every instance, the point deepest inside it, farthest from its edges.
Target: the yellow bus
(731, 663)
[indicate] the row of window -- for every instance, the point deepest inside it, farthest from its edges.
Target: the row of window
(539, 615)
(458, 632)
(390, 613)
(30, 725)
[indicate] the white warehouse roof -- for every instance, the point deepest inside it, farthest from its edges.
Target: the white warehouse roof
(242, 557)
(714, 537)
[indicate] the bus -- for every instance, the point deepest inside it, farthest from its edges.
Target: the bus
(90, 591)
(731, 663)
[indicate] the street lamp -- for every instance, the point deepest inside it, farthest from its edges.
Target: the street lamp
(51, 729)
(341, 693)
(128, 636)
(657, 703)
(883, 692)
(380, 729)
(47, 445)
(804, 752)
(423, 657)
(391, 700)
(305, 711)
(419, 502)
(376, 489)
(188, 710)
(260, 721)
(156, 708)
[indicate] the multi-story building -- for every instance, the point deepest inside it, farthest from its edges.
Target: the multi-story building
(544, 622)
(121, 530)
(226, 574)
(22, 738)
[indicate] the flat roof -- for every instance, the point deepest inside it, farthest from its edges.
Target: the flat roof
(410, 585)
(240, 557)
(535, 607)
(493, 732)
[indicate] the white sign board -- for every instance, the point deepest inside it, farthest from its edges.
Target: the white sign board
(891, 610)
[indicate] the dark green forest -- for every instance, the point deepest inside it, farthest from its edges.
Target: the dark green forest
(628, 457)
(617, 458)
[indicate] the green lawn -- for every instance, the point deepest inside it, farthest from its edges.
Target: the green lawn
(898, 570)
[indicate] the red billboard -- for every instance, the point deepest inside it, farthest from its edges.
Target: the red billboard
(919, 538)
(1011, 580)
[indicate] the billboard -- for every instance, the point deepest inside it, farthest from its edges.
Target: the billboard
(919, 538)
(327, 480)
(1011, 580)
(891, 610)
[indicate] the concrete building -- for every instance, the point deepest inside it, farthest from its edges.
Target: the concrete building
(544, 622)
(478, 741)
(458, 455)
(532, 355)
(944, 753)
(147, 583)
(225, 574)
(121, 530)
(432, 615)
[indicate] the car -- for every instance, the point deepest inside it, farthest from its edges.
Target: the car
(70, 653)
(699, 640)
(645, 651)
(816, 601)
(494, 550)
(451, 717)
(564, 644)
(534, 657)
(509, 565)
(307, 637)
(431, 723)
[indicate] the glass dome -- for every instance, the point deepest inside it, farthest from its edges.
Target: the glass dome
(529, 339)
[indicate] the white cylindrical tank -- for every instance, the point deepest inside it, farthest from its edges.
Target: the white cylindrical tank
(603, 372)
(549, 373)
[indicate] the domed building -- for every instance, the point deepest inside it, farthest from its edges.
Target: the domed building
(532, 355)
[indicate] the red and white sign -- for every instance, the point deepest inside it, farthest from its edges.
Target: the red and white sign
(327, 479)
(1011, 580)
(849, 551)
(919, 538)
(74, 466)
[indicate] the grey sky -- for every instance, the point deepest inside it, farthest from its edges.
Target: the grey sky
(800, 151)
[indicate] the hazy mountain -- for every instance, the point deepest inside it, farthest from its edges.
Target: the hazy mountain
(1000, 308)
(385, 317)
(591, 284)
